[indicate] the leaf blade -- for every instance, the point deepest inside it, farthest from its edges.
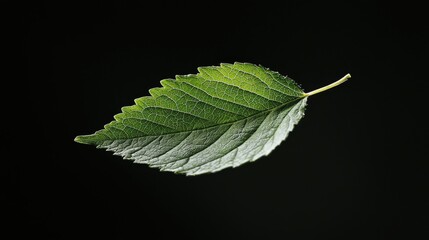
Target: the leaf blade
(220, 107)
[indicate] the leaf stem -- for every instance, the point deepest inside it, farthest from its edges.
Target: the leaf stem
(322, 89)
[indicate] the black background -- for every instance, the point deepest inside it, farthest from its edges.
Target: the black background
(354, 168)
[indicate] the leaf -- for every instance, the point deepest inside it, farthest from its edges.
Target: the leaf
(224, 116)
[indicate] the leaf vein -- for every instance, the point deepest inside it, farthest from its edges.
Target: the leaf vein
(214, 141)
(233, 86)
(245, 141)
(174, 110)
(238, 104)
(209, 103)
(285, 85)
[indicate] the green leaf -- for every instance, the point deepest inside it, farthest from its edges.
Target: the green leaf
(224, 116)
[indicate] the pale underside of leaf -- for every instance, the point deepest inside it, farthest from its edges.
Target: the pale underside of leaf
(222, 117)
(215, 148)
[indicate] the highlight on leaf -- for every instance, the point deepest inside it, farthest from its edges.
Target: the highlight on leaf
(224, 116)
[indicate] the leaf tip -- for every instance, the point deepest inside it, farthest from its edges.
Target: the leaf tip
(78, 139)
(86, 139)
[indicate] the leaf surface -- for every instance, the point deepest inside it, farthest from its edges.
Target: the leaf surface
(224, 116)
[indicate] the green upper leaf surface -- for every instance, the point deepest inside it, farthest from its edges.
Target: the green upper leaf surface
(223, 116)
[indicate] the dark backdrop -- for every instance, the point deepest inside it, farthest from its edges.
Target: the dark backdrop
(354, 168)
